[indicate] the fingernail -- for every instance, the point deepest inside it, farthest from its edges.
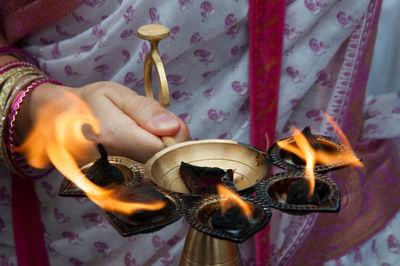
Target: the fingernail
(164, 121)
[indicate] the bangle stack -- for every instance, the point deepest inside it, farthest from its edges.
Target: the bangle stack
(17, 80)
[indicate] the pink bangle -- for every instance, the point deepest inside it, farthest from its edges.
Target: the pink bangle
(20, 165)
(18, 52)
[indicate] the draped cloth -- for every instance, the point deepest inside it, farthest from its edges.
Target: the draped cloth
(367, 203)
(19, 19)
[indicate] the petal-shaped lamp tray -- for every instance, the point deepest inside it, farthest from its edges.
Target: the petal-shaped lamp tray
(146, 222)
(275, 192)
(287, 160)
(199, 213)
(132, 171)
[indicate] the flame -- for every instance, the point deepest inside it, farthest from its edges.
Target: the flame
(229, 198)
(311, 156)
(307, 153)
(57, 138)
(348, 156)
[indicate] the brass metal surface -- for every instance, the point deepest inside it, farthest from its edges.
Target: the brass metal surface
(274, 191)
(132, 171)
(248, 164)
(202, 250)
(154, 33)
(163, 168)
(202, 211)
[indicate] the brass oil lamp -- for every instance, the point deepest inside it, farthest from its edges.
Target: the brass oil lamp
(210, 241)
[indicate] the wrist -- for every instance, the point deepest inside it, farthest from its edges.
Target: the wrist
(30, 106)
(6, 58)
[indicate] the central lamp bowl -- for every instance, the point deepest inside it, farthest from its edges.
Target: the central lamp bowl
(249, 164)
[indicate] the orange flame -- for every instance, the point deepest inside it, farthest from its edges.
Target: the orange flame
(229, 198)
(311, 156)
(304, 150)
(57, 138)
(348, 156)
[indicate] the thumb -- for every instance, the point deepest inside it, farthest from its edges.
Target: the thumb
(149, 115)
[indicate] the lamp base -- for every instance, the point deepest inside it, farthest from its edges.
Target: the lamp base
(204, 250)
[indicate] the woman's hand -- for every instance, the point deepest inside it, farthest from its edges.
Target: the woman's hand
(131, 125)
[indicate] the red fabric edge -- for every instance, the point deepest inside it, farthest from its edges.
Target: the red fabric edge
(266, 22)
(27, 223)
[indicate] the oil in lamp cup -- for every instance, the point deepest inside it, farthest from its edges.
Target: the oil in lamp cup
(146, 221)
(204, 214)
(275, 189)
(132, 171)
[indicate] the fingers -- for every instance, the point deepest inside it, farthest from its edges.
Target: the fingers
(183, 134)
(121, 135)
(131, 125)
(148, 114)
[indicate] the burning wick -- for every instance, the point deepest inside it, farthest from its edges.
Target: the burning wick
(304, 150)
(102, 173)
(234, 214)
(311, 150)
(299, 193)
(57, 138)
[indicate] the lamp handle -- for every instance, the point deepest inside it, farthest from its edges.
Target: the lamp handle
(154, 33)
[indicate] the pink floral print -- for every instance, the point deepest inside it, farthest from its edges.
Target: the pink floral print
(295, 74)
(346, 20)
(204, 56)
(207, 10)
(129, 13)
(196, 38)
(315, 6)
(73, 239)
(154, 16)
(318, 47)
(218, 116)
(103, 249)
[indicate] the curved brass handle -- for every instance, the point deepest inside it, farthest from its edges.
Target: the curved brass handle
(154, 33)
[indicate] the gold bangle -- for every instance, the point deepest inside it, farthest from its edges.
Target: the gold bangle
(5, 92)
(9, 73)
(16, 90)
(14, 64)
(20, 165)
(18, 87)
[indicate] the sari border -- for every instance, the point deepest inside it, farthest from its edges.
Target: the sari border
(266, 22)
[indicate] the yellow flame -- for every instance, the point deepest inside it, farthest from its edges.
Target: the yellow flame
(302, 148)
(349, 156)
(57, 138)
(228, 197)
